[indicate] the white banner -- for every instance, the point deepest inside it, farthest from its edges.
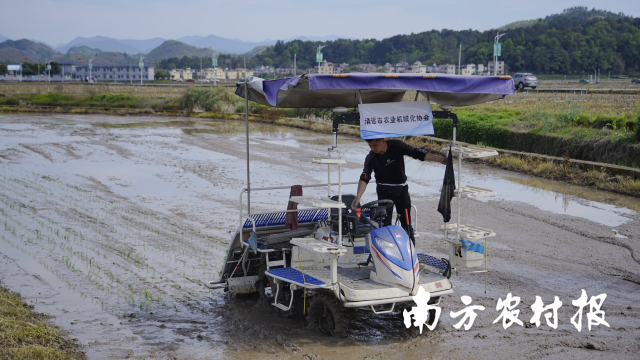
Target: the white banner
(395, 119)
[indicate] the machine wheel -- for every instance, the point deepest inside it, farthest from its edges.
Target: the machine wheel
(327, 313)
(432, 317)
(521, 86)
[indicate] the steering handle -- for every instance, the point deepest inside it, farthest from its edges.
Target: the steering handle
(384, 202)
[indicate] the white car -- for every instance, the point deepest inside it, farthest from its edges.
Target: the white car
(522, 80)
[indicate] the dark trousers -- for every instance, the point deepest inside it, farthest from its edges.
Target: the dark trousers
(400, 197)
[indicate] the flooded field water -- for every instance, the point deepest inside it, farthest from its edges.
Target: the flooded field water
(111, 225)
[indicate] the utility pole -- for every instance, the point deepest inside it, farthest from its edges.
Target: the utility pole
(459, 59)
(115, 72)
(246, 119)
(90, 68)
(141, 64)
(49, 69)
(200, 70)
(497, 51)
(319, 56)
(130, 73)
(295, 69)
(214, 63)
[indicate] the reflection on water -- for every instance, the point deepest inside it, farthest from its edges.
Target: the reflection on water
(567, 202)
(590, 194)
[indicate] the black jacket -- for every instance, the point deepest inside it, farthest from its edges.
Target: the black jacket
(389, 168)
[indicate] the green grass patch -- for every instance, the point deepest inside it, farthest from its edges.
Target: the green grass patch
(48, 99)
(27, 335)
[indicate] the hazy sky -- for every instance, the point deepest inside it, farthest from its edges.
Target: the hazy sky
(59, 21)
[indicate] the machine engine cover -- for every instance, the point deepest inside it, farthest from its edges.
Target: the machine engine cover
(399, 264)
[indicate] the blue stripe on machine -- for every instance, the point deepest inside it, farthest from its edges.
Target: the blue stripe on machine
(360, 250)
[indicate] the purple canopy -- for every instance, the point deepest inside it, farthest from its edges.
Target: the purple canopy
(349, 90)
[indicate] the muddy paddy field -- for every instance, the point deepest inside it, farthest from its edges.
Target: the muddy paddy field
(111, 224)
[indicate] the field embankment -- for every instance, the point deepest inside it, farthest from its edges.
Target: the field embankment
(28, 335)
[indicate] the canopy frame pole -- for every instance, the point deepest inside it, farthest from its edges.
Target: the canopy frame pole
(246, 120)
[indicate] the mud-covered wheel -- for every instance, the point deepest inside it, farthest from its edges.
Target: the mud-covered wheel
(328, 314)
(263, 282)
(432, 317)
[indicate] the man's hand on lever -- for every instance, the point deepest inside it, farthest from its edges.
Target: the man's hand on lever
(362, 186)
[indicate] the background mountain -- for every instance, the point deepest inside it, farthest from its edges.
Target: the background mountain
(233, 46)
(25, 48)
(173, 48)
(3, 38)
(99, 42)
(101, 58)
(83, 49)
(518, 24)
(583, 13)
(576, 41)
(236, 46)
(11, 56)
(144, 46)
(129, 46)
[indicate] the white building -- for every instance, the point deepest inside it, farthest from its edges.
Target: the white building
(448, 69)
(400, 67)
(500, 68)
(114, 72)
(416, 68)
(324, 68)
(469, 69)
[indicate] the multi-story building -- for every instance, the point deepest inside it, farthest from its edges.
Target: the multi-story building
(400, 67)
(324, 68)
(340, 68)
(500, 68)
(368, 67)
(480, 69)
(113, 72)
(469, 69)
(214, 73)
(416, 68)
(186, 74)
(448, 69)
(238, 73)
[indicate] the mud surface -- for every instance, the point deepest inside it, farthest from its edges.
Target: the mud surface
(112, 229)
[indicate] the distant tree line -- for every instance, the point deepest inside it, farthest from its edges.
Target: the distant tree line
(576, 42)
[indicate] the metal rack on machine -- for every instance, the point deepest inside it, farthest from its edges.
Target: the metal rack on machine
(458, 257)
